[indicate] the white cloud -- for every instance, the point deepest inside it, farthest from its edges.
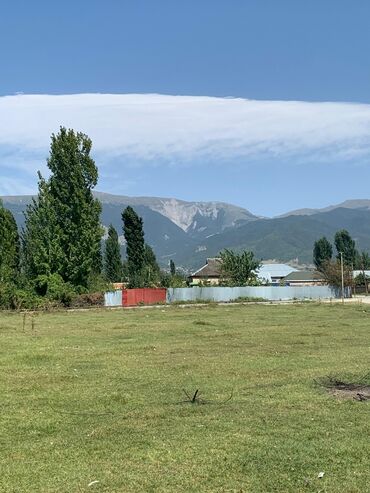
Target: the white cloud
(148, 127)
(13, 186)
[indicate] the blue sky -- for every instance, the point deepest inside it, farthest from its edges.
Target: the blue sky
(267, 158)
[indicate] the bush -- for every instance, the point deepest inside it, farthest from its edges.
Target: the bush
(54, 288)
(88, 300)
(248, 299)
(47, 292)
(13, 298)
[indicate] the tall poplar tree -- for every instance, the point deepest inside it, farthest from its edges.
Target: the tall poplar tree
(345, 245)
(67, 213)
(42, 251)
(112, 256)
(152, 271)
(322, 252)
(9, 246)
(135, 245)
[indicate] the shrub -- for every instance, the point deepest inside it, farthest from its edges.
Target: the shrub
(13, 298)
(88, 300)
(54, 288)
(247, 299)
(47, 292)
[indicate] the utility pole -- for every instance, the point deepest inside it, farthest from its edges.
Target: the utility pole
(363, 273)
(341, 268)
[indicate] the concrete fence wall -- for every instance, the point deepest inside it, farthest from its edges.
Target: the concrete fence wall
(271, 293)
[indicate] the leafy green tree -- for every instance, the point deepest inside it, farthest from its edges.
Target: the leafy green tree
(73, 177)
(135, 246)
(175, 279)
(363, 264)
(362, 280)
(345, 245)
(362, 261)
(42, 251)
(332, 273)
(151, 270)
(169, 281)
(125, 273)
(322, 252)
(9, 246)
(64, 221)
(239, 269)
(112, 256)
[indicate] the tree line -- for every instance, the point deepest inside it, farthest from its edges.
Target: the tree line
(59, 253)
(346, 252)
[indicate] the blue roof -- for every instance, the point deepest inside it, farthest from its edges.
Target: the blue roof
(268, 271)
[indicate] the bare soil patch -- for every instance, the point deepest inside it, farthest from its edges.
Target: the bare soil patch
(347, 390)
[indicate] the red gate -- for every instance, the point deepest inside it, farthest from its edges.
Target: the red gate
(143, 296)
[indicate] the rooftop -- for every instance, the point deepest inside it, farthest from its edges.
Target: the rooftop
(304, 275)
(268, 271)
(211, 269)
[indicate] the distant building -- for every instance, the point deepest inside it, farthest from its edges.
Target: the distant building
(361, 273)
(359, 281)
(119, 285)
(274, 273)
(304, 278)
(210, 273)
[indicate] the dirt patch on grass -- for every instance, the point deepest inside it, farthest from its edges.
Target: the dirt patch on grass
(359, 391)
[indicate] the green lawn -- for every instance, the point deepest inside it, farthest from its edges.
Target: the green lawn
(97, 396)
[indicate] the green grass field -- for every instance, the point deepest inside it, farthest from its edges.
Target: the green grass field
(97, 396)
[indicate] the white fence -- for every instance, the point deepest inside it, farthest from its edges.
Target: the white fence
(270, 293)
(113, 298)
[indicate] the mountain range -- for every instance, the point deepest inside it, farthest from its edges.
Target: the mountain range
(188, 232)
